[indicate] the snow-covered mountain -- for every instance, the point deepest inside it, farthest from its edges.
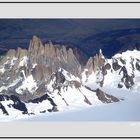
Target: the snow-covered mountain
(47, 78)
(121, 71)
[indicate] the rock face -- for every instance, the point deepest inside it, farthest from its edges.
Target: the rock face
(17, 104)
(96, 64)
(3, 109)
(53, 56)
(105, 98)
(41, 72)
(80, 56)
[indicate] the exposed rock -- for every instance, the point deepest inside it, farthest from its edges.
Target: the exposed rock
(126, 79)
(101, 58)
(107, 66)
(104, 71)
(17, 104)
(53, 55)
(60, 78)
(44, 111)
(137, 66)
(42, 98)
(35, 44)
(54, 109)
(46, 97)
(120, 85)
(77, 84)
(116, 66)
(11, 53)
(87, 101)
(50, 50)
(90, 66)
(80, 56)
(105, 98)
(129, 82)
(3, 109)
(20, 53)
(95, 62)
(123, 61)
(35, 49)
(41, 72)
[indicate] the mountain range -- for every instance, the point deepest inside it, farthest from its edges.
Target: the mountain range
(47, 77)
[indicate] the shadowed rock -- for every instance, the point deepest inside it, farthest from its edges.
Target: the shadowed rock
(46, 97)
(105, 98)
(116, 66)
(17, 104)
(3, 109)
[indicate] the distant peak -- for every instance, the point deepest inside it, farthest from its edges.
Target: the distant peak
(35, 42)
(35, 37)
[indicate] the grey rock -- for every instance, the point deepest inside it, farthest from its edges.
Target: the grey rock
(105, 98)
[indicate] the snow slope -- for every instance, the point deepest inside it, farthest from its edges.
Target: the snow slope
(126, 110)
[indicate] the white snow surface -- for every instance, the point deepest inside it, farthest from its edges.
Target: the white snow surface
(29, 83)
(126, 110)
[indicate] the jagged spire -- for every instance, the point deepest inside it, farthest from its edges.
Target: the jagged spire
(101, 54)
(35, 42)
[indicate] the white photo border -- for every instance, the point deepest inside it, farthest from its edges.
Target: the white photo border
(89, 129)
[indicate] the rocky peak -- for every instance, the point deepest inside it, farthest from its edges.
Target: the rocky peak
(50, 53)
(81, 57)
(38, 61)
(35, 47)
(90, 65)
(20, 53)
(50, 50)
(11, 53)
(35, 42)
(95, 63)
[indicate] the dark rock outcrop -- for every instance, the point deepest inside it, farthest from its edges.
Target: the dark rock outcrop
(46, 97)
(3, 109)
(42, 98)
(17, 104)
(138, 66)
(126, 79)
(116, 66)
(105, 98)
